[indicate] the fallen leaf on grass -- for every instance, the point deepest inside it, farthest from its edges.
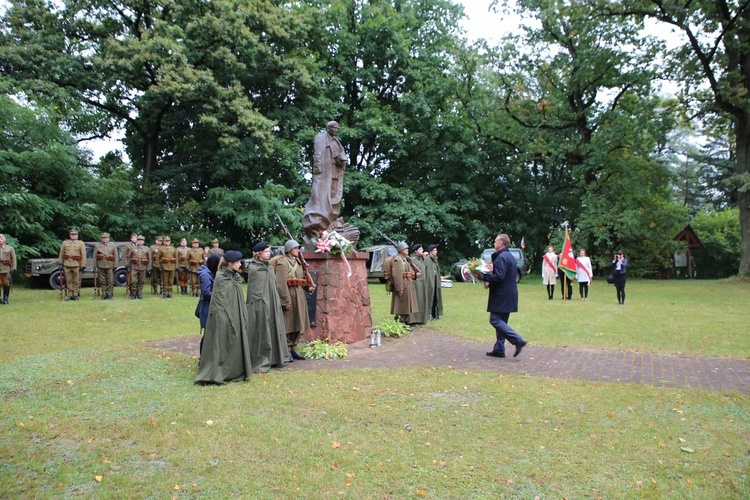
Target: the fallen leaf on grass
(98, 478)
(176, 487)
(681, 440)
(209, 423)
(335, 444)
(421, 493)
(334, 466)
(348, 483)
(687, 450)
(151, 422)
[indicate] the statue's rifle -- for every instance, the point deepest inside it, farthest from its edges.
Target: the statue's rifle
(417, 272)
(308, 278)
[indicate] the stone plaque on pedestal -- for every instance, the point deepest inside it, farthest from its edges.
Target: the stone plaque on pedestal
(343, 305)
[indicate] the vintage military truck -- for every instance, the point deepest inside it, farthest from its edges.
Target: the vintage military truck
(47, 269)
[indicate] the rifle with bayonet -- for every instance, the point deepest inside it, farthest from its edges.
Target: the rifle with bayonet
(417, 271)
(61, 281)
(310, 284)
(96, 282)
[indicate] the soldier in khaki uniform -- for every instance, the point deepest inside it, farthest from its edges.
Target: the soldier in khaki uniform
(105, 254)
(156, 266)
(196, 257)
(214, 248)
(139, 261)
(404, 301)
(291, 284)
(167, 257)
(7, 266)
(182, 270)
(73, 259)
(127, 250)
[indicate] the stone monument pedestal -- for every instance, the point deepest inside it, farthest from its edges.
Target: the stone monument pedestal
(343, 306)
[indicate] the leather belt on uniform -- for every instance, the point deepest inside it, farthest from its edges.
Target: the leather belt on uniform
(296, 282)
(411, 276)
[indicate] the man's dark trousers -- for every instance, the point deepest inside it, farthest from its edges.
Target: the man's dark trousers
(503, 331)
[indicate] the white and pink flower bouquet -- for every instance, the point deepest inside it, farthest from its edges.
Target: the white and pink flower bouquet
(475, 266)
(333, 242)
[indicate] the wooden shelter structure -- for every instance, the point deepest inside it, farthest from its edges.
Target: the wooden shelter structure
(693, 243)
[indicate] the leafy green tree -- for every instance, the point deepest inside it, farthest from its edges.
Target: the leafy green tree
(719, 231)
(712, 59)
(44, 185)
(583, 122)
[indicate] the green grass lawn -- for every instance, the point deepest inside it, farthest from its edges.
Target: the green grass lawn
(88, 410)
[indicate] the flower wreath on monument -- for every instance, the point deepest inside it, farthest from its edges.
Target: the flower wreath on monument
(335, 244)
(475, 266)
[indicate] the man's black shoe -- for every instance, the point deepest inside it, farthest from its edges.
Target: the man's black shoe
(297, 355)
(519, 346)
(494, 354)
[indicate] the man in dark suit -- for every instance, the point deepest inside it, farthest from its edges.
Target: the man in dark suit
(503, 298)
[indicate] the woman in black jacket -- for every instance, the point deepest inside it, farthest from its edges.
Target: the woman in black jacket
(619, 270)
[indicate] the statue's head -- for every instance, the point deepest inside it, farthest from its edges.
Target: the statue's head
(332, 127)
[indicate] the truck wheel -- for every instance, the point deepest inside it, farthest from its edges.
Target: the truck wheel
(121, 277)
(55, 280)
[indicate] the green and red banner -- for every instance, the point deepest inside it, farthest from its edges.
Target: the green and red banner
(567, 258)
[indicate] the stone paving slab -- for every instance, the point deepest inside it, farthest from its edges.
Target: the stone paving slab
(427, 347)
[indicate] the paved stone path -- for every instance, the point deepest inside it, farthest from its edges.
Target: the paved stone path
(426, 347)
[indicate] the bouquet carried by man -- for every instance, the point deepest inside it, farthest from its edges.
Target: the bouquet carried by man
(475, 266)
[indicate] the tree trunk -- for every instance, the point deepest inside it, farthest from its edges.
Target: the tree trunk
(742, 136)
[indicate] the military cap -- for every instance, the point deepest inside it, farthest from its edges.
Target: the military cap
(140, 237)
(73, 231)
(214, 240)
(195, 240)
(105, 235)
(416, 246)
(159, 238)
(432, 247)
(402, 245)
(259, 247)
(166, 238)
(290, 245)
(232, 256)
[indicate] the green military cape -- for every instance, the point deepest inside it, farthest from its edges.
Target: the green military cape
(265, 329)
(226, 350)
(423, 315)
(432, 286)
